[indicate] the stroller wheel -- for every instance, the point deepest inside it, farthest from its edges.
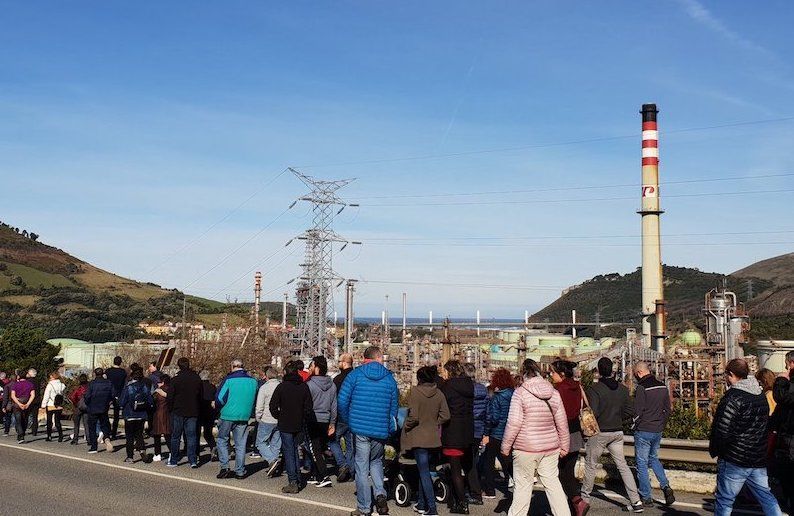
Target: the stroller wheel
(402, 494)
(441, 491)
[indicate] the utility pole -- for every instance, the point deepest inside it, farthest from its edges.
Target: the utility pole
(349, 318)
(284, 312)
(386, 328)
(257, 298)
(478, 323)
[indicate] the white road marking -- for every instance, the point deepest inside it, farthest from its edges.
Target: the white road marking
(182, 479)
(704, 506)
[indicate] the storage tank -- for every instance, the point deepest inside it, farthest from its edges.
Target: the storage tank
(691, 338)
(772, 353)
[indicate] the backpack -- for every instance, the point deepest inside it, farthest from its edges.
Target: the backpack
(140, 401)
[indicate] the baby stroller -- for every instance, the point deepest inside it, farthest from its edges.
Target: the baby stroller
(401, 476)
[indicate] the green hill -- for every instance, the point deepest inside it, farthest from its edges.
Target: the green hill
(68, 297)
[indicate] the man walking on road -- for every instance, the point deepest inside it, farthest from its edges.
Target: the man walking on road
(268, 438)
(783, 418)
(610, 402)
(344, 459)
(291, 405)
(323, 392)
(184, 402)
(118, 379)
(739, 441)
(235, 397)
(652, 408)
(98, 398)
(23, 394)
(369, 402)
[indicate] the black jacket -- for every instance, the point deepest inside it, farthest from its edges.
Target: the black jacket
(97, 397)
(651, 405)
(184, 396)
(208, 391)
(458, 432)
(340, 378)
(783, 418)
(610, 403)
(291, 404)
(118, 378)
(739, 430)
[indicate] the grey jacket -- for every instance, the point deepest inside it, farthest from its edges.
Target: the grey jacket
(651, 405)
(323, 393)
(261, 410)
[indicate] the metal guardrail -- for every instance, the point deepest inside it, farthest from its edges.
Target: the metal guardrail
(677, 450)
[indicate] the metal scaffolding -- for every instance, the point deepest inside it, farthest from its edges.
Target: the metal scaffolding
(314, 294)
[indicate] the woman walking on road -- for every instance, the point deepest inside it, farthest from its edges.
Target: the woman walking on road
(427, 410)
(537, 433)
(52, 403)
(79, 408)
(135, 400)
(161, 427)
(495, 422)
(457, 434)
(571, 393)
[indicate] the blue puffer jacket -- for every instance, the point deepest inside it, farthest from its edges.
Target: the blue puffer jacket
(498, 408)
(368, 401)
(131, 391)
(480, 409)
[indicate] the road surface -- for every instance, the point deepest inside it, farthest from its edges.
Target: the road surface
(56, 477)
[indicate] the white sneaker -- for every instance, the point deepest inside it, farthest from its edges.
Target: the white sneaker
(157, 458)
(510, 483)
(101, 437)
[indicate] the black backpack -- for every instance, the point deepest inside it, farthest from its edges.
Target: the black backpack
(140, 399)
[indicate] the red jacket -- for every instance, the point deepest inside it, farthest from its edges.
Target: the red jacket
(78, 393)
(571, 394)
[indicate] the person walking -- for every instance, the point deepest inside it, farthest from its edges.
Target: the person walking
(321, 425)
(480, 406)
(611, 405)
(33, 413)
(291, 406)
(208, 413)
(537, 432)
(118, 379)
(268, 438)
(161, 420)
(184, 401)
(135, 400)
(652, 408)
(562, 372)
(783, 424)
(495, 422)
(342, 434)
(23, 394)
(739, 441)
(98, 398)
(79, 408)
(236, 396)
(153, 379)
(7, 406)
(368, 401)
(427, 411)
(52, 403)
(457, 434)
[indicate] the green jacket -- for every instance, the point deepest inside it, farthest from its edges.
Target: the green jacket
(236, 396)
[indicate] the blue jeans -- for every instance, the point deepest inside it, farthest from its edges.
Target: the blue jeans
(426, 498)
(343, 459)
(237, 429)
(268, 441)
(731, 478)
(369, 463)
(187, 426)
(646, 448)
(289, 450)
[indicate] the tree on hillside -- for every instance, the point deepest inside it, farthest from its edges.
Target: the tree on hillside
(22, 347)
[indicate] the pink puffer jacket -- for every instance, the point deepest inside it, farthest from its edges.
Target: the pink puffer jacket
(531, 426)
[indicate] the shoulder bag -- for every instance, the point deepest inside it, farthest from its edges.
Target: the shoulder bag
(587, 419)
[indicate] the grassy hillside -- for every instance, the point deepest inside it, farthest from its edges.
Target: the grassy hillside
(68, 297)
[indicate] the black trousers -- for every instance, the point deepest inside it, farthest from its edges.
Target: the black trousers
(77, 417)
(318, 442)
(104, 426)
(158, 443)
(115, 425)
(568, 479)
(473, 471)
(206, 431)
(21, 417)
(54, 416)
(134, 434)
(490, 455)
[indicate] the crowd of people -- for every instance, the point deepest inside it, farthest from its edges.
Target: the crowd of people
(534, 425)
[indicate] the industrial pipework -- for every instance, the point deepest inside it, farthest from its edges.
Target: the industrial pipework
(653, 320)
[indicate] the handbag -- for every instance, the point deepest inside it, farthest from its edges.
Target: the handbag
(587, 419)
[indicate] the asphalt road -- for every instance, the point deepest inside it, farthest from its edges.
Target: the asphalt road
(55, 477)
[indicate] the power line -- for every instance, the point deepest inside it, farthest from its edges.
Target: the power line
(589, 244)
(216, 223)
(573, 237)
(550, 201)
(570, 188)
(544, 145)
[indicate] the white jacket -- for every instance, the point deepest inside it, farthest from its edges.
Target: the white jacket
(54, 388)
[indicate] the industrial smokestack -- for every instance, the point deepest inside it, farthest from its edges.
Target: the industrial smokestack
(257, 299)
(653, 330)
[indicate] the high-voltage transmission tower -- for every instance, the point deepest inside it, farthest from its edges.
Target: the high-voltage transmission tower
(314, 294)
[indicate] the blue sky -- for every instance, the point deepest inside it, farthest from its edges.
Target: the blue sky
(127, 130)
